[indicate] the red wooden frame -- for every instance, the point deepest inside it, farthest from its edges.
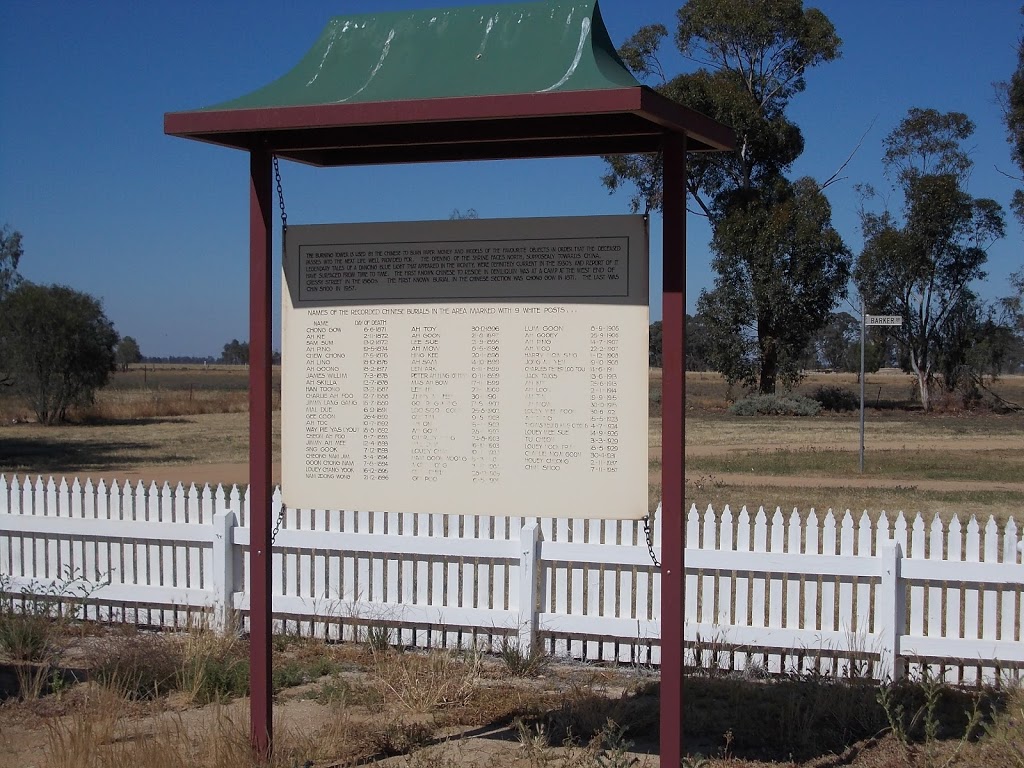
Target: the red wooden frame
(616, 120)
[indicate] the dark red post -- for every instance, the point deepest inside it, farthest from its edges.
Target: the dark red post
(673, 429)
(260, 240)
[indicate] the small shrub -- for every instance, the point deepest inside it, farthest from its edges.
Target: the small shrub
(775, 405)
(615, 747)
(139, 667)
(519, 663)
(378, 637)
(399, 738)
(213, 667)
(833, 398)
(35, 626)
(301, 671)
(26, 636)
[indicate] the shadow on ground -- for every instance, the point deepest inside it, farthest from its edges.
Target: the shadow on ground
(59, 455)
(774, 720)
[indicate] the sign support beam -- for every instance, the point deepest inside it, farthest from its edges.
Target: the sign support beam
(260, 404)
(673, 431)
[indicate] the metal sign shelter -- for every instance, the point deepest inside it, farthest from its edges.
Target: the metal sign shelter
(517, 80)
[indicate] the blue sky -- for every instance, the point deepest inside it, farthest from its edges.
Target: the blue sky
(157, 226)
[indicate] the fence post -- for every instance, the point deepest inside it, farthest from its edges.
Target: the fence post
(529, 538)
(223, 577)
(892, 594)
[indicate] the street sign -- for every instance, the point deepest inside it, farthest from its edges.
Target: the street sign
(883, 320)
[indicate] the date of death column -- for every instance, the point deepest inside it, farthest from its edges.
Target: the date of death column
(604, 356)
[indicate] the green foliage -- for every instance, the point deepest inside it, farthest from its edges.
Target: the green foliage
(654, 345)
(775, 405)
(776, 253)
(128, 353)
(921, 263)
(301, 671)
(756, 57)
(1011, 97)
(213, 667)
(929, 710)
(59, 347)
(698, 346)
(615, 747)
(35, 624)
(834, 398)
(235, 353)
(378, 637)
(781, 267)
(836, 346)
(10, 254)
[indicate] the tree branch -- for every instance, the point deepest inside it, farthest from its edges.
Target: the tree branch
(835, 176)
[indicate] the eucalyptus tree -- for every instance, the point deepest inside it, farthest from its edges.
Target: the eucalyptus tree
(1011, 97)
(751, 59)
(10, 254)
(920, 261)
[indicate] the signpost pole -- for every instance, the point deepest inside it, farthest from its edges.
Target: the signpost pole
(260, 240)
(673, 430)
(863, 333)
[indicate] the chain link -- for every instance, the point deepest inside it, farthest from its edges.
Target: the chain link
(280, 194)
(277, 526)
(284, 230)
(649, 533)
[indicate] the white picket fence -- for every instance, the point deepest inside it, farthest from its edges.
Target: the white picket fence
(765, 592)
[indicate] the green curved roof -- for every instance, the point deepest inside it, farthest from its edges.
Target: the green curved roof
(481, 50)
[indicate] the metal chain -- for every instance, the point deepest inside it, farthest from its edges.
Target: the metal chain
(280, 194)
(284, 229)
(649, 533)
(277, 526)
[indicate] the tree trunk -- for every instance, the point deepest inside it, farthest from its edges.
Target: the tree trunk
(922, 384)
(769, 367)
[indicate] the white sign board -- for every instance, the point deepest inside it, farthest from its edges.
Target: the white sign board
(473, 367)
(883, 320)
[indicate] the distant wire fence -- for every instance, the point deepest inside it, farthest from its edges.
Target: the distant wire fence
(766, 593)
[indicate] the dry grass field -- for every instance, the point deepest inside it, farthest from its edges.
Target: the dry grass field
(177, 700)
(189, 424)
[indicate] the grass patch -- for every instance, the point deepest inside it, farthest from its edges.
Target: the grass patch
(141, 666)
(213, 667)
(426, 682)
(991, 466)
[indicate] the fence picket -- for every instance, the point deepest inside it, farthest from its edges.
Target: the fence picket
(989, 610)
(707, 588)
(758, 608)
(741, 610)
(598, 595)
(1011, 618)
(812, 609)
(725, 575)
(691, 541)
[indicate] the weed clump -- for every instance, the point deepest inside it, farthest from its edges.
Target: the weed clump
(521, 663)
(213, 667)
(775, 405)
(139, 667)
